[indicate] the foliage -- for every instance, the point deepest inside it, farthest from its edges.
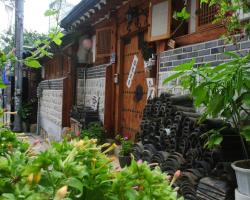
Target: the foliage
(25, 111)
(40, 45)
(126, 146)
(77, 170)
(9, 142)
(30, 38)
(228, 14)
(138, 182)
(182, 15)
(94, 130)
(224, 90)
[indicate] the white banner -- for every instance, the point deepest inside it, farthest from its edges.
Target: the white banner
(132, 71)
(151, 88)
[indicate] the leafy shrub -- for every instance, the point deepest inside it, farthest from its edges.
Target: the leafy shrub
(138, 182)
(126, 147)
(9, 142)
(94, 130)
(77, 170)
(224, 91)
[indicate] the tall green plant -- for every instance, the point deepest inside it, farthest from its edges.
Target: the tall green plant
(223, 91)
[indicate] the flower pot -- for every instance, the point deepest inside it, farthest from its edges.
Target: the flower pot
(242, 171)
(239, 196)
(124, 161)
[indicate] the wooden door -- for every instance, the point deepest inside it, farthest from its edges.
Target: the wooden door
(132, 106)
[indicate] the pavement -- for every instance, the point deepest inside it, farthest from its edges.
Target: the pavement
(41, 145)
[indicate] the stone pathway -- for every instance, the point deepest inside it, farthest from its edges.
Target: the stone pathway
(32, 138)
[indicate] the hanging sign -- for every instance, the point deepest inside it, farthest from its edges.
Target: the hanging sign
(132, 71)
(151, 93)
(150, 82)
(151, 89)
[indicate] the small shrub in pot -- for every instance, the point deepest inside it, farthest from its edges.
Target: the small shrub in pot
(125, 151)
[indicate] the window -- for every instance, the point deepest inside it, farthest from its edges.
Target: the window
(160, 20)
(104, 42)
(206, 14)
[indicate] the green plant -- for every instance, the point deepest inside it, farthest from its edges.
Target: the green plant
(77, 170)
(138, 182)
(224, 90)
(228, 14)
(9, 142)
(126, 147)
(25, 111)
(79, 165)
(94, 130)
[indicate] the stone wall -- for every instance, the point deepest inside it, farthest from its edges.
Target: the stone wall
(50, 94)
(95, 86)
(211, 52)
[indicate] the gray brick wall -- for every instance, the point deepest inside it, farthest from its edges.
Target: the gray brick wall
(211, 52)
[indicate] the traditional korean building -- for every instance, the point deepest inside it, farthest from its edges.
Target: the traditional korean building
(116, 53)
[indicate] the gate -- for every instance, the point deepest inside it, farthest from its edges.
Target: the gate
(133, 98)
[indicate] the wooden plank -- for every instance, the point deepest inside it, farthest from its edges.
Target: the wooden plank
(201, 36)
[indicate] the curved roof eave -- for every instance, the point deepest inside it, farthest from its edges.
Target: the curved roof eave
(78, 11)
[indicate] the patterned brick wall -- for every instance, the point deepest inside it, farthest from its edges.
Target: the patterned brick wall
(211, 52)
(95, 86)
(50, 94)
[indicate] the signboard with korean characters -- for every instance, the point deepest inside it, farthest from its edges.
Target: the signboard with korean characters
(132, 71)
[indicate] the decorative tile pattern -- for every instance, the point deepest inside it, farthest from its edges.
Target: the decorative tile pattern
(95, 86)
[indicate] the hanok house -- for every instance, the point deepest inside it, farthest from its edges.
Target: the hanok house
(117, 54)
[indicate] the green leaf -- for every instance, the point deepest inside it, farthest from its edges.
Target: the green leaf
(232, 54)
(183, 15)
(75, 183)
(216, 105)
(200, 94)
(50, 12)
(246, 133)
(185, 66)
(130, 194)
(2, 85)
(30, 62)
(8, 196)
(58, 41)
(246, 99)
(172, 77)
(214, 139)
(219, 67)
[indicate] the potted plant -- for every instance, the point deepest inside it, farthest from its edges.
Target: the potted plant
(125, 151)
(25, 112)
(224, 92)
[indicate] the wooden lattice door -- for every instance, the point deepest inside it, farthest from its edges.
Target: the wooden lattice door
(133, 98)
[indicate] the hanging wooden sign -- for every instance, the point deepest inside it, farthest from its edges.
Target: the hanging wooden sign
(132, 71)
